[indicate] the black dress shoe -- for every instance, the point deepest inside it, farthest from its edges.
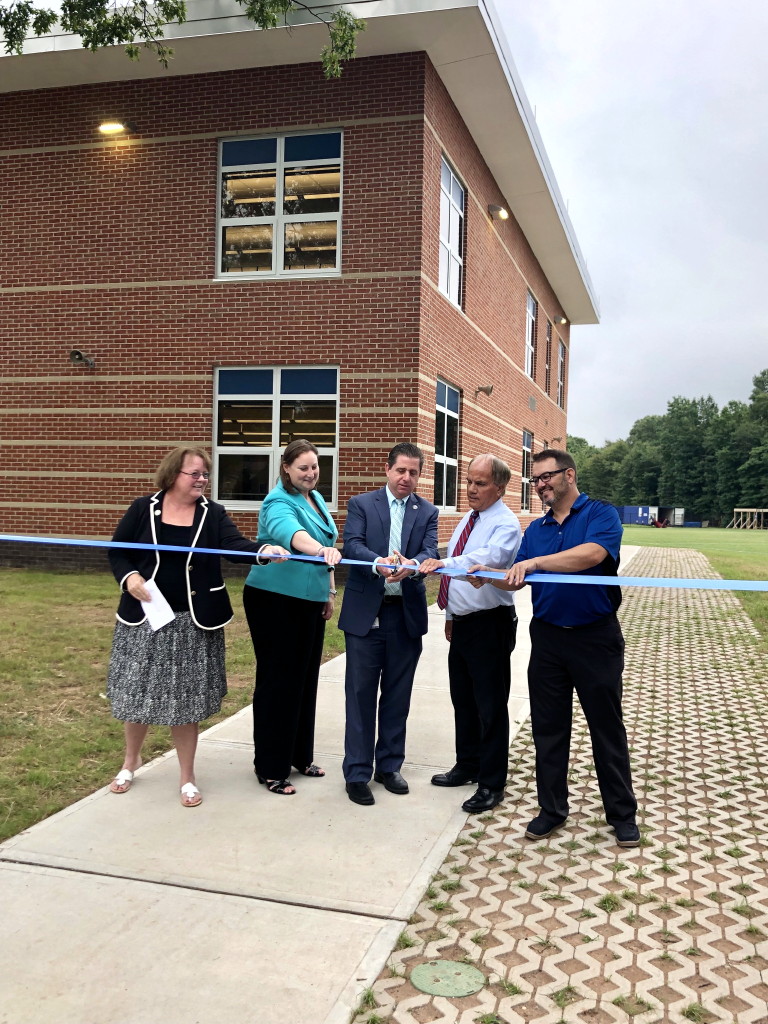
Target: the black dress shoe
(360, 793)
(393, 782)
(483, 800)
(455, 777)
(542, 826)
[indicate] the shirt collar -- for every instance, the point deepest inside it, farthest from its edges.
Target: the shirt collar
(391, 497)
(577, 506)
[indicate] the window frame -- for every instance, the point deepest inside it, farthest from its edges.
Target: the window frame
(452, 247)
(548, 360)
(531, 323)
(278, 220)
(525, 473)
(445, 460)
(275, 450)
(561, 361)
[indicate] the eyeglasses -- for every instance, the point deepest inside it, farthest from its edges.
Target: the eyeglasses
(546, 477)
(196, 475)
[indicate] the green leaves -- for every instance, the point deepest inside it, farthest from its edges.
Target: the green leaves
(140, 23)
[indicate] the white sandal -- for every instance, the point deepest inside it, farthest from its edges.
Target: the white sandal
(123, 778)
(190, 795)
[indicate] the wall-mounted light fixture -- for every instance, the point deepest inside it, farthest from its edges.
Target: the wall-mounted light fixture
(498, 212)
(559, 439)
(560, 319)
(114, 126)
(487, 389)
(78, 358)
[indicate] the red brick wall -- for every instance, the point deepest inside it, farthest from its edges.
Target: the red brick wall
(110, 248)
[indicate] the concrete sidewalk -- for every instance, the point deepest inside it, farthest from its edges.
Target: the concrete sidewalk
(252, 908)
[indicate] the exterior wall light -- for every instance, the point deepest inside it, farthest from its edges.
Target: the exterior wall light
(498, 212)
(560, 319)
(114, 127)
(487, 389)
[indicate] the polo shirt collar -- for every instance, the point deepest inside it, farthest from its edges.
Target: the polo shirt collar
(577, 506)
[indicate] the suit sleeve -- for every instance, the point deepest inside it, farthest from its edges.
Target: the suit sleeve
(356, 534)
(124, 561)
(429, 548)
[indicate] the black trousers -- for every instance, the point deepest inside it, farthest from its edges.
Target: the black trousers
(480, 676)
(287, 634)
(589, 660)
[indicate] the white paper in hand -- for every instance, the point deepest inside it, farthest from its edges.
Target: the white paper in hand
(159, 613)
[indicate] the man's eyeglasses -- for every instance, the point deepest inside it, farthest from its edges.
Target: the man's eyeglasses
(546, 477)
(196, 475)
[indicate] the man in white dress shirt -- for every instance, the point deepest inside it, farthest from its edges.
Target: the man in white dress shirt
(480, 625)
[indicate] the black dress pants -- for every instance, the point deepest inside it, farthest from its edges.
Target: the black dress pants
(480, 675)
(589, 660)
(287, 634)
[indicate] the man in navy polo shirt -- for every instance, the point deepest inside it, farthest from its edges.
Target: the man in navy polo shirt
(576, 643)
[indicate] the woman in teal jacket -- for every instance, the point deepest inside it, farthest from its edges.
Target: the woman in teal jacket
(287, 609)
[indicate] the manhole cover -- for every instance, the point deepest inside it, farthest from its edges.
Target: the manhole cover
(447, 978)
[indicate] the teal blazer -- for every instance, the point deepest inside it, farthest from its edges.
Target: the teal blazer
(283, 514)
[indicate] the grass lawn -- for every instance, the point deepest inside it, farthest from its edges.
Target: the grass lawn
(735, 554)
(58, 740)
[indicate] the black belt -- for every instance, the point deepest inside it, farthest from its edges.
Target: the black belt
(392, 599)
(486, 611)
(587, 625)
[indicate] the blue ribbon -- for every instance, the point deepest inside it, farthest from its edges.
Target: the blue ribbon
(537, 577)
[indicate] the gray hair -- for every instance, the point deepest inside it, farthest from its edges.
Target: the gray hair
(500, 471)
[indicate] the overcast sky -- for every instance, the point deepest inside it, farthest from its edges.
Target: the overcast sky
(654, 114)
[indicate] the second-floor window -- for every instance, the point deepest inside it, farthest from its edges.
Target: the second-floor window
(561, 374)
(451, 234)
(280, 205)
(531, 314)
(548, 360)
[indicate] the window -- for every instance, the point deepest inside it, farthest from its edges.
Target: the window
(525, 482)
(560, 374)
(451, 234)
(531, 313)
(548, 361)
(258, 411)
(280, 209)
(446, 445)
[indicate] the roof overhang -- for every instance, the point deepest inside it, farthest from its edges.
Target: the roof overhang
(464, 41)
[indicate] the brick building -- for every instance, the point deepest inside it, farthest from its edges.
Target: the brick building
(263, 254)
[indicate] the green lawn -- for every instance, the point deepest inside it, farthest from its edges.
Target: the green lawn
(735, 554)
(58, 740)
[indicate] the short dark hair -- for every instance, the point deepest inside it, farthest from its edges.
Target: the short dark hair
(563, 459)
(292, 451)
(170, 466)
(500, 471)
(410, 451)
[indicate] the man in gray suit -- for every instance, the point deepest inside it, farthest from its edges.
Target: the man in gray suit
(384, 617)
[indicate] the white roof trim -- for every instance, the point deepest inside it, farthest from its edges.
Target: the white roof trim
(462, 38)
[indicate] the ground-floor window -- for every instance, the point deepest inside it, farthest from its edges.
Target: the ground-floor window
(446, 445)
(525, 482)
(259, 410)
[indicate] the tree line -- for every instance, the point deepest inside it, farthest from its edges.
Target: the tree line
(696, 456)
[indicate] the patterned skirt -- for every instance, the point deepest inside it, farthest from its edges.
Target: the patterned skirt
(174, 676)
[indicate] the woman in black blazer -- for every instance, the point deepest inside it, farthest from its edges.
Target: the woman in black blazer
(175, 675)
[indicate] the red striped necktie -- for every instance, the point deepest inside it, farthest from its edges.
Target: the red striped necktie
(445, 581)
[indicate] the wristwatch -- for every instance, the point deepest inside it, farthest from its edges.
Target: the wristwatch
(333, 593)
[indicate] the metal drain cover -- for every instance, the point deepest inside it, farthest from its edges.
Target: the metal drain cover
(447, 978)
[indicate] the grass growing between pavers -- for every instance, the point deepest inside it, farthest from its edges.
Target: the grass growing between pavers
(671, 931)
(735, 554)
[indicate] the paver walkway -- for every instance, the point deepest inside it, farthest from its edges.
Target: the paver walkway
(576, 929)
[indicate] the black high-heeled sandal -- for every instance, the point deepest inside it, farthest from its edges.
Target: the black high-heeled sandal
(279, 786)
(312, 771)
